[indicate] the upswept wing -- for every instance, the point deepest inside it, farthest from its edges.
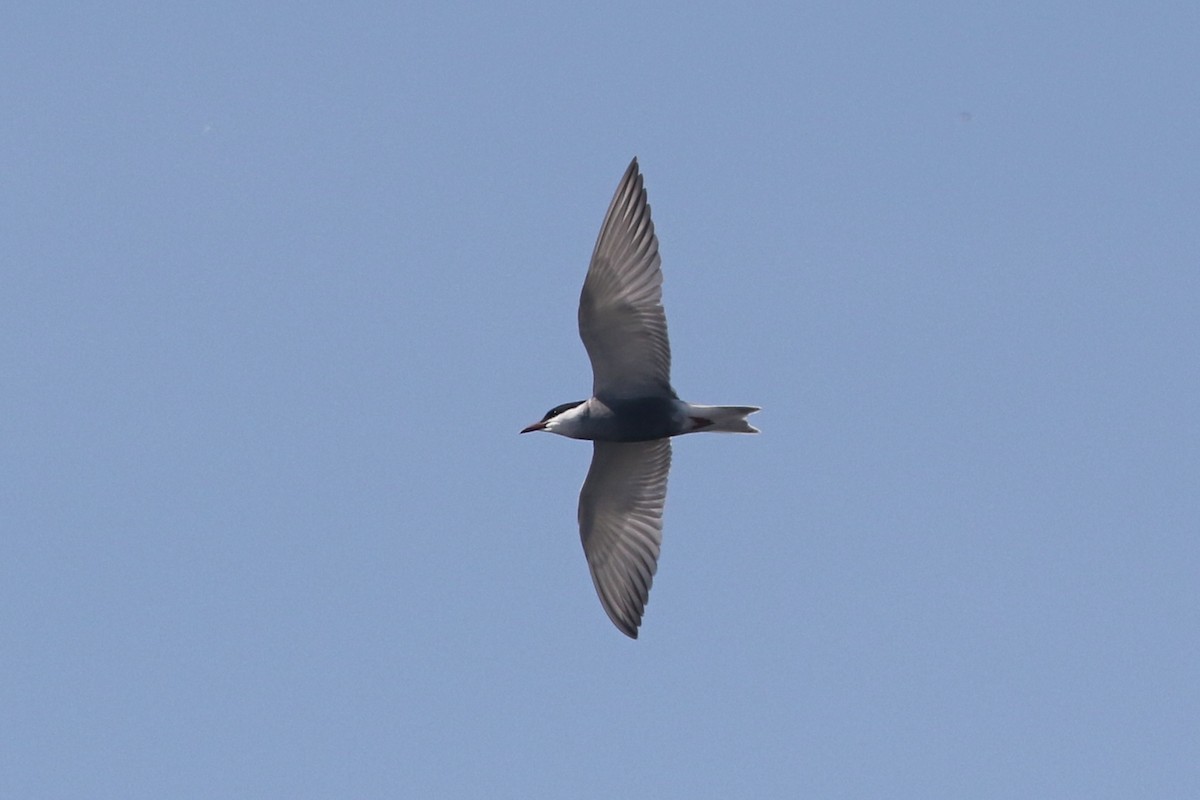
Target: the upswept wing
(621, 317)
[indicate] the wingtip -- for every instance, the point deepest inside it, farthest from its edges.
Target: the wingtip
(625, 625)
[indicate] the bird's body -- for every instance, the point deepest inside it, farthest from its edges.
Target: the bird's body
(633, 410)
(641, 419)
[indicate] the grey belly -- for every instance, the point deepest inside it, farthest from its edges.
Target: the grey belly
(638, 420)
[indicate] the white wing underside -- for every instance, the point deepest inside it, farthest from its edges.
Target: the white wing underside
(620, 522)
(621, 317)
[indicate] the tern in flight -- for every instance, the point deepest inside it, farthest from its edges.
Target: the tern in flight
(633, 411)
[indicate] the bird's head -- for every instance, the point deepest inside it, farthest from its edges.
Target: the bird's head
(554, 419)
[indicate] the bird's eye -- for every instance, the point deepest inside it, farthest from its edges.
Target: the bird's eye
(554, 412)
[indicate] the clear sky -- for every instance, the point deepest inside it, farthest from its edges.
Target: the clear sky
(279, 285)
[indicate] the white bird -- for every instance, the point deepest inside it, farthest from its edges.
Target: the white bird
(633, 410)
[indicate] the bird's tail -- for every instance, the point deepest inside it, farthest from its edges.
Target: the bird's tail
(727, 419)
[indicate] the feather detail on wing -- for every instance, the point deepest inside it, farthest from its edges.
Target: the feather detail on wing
(620, 523)
(621, 317)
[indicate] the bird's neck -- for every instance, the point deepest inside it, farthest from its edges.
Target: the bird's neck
(572, 423)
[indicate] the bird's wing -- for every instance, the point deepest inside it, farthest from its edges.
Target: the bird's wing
(620, 522)
(621, 317)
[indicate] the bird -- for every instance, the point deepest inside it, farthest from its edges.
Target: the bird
(633, 411)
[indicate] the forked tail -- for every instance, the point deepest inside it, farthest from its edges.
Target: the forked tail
(725, 419)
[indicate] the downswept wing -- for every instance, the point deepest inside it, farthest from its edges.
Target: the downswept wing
(620, 522)
(621, 317)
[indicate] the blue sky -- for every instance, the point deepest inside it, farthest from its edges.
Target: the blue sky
(279, 285)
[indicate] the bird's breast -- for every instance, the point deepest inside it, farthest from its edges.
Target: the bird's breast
(639, 419)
